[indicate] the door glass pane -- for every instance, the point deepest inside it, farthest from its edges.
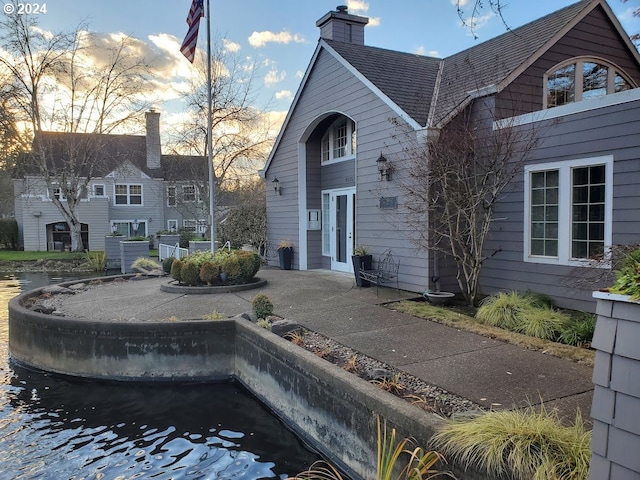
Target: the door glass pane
(341, 228)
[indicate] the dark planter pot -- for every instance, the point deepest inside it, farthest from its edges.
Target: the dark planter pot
(286, 258)
(361, 262)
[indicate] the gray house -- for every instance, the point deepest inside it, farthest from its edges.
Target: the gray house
(573, 73)
(133, 189)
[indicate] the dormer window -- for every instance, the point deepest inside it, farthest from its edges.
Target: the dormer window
(583, 78)
(339, 142)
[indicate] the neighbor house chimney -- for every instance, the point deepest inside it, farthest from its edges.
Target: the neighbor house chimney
(342, 27)
(153, 139)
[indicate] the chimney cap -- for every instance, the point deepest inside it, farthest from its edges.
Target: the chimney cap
(342, 8)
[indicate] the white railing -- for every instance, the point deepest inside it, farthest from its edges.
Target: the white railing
(166, 251)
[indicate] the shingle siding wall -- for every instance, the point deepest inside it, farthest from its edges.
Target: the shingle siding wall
(331, 88)
(616, 398)
(613, 130)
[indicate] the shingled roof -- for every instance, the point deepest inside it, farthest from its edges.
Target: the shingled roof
(412, 91)
(102, 154)
(488, 64)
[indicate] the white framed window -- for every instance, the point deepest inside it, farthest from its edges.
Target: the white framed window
(339, 141)
(171, 196)
(128, 194)
(128, 227)
(57, 192)
(568, 210)
(582, 78)
(195, 226)
(188, 193)
(172, 225)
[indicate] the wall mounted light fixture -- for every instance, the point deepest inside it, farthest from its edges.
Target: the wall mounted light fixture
(276, 186)
(384, 168)
(135, 225)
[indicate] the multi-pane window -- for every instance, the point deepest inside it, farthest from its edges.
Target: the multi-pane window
(98, 190)
(561, 86)
(581, 79)
(568, 210)
(544, 213)
(188, 193)
(588, 211)
(126, 194)
(339, 142)
(171, 196)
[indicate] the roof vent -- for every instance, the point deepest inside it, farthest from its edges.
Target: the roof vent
(342, 9)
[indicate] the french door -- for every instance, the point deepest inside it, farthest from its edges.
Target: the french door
(339, 227)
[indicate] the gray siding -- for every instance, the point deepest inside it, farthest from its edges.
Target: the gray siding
(331, 88)
(593, 36)
(613, 130)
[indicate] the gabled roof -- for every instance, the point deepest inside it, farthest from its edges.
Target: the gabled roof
(494, 63)
(105, 153)
(384, 68)
(428, 91)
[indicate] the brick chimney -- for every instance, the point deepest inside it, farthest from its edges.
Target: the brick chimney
(153, 138)
(342, 26)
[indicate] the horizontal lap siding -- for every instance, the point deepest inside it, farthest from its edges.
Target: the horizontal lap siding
(613, 131)
(332, 88)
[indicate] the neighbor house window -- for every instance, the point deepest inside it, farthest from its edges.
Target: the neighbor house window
(583, 78)
(126, 194)
(98, 190)
(172, 225)
(171, 196)
(568, 210)
(339, 142)
(188, 193)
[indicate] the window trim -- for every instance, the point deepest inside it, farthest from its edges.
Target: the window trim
(104, 190)
(128, 185)
(170, 196)
(330, 135)
(578, 79)
(565, 203)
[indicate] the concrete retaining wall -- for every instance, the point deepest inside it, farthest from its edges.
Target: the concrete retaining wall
(616, 397)
(331, 409)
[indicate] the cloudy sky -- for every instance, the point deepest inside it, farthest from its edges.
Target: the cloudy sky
(280, 35)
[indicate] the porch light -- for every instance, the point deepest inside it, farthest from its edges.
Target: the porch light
(276, 186)
(114, 228)
(136, 224)
(384, 168)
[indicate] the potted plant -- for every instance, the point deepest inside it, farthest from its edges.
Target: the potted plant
(361, 260)
(285, 254)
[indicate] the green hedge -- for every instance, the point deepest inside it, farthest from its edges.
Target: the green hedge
(9, 233)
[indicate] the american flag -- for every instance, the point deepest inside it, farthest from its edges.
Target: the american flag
(196, 12)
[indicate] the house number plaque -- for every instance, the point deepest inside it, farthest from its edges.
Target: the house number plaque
(388, 203)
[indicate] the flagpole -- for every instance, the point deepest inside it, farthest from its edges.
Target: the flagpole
(212, 177)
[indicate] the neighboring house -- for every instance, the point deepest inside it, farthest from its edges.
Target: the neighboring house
(574, 72)
(132, 184)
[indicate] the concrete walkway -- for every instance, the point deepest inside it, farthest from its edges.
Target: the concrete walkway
(488, 372)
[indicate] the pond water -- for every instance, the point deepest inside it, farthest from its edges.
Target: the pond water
(54, 427)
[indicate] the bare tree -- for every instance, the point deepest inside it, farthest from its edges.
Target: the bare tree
(453, 184)
(240, 134)
(72, 84)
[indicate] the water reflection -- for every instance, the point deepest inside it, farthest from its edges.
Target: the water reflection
(60, 427)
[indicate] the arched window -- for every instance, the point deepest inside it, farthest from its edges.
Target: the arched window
(583, 78)
(339, 141)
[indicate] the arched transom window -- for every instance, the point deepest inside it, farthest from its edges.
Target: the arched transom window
(339, 141)
(583, 78)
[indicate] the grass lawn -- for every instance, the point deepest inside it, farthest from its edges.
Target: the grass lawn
(19, 256)
(456, 317)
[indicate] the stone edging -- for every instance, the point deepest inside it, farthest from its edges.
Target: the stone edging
(170, 287)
